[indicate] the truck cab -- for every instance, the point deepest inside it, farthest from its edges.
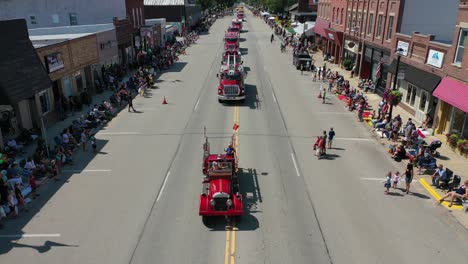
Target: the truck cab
(220, 188)
(234, 29)
(240, 15)
(237, 23)
(231, 81)
(231, 41)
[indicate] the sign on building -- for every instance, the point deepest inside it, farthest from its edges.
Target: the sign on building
(403, 47)
(435, 58)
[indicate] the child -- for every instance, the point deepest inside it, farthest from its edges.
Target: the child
(33, 184)
(93, 144)
(396, 179)
(387, 182)
(315, 77)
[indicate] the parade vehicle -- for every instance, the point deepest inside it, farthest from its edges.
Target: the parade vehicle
(234, 29)
(229, 53)
(303, 59)
(237, 23)
(231, 41)
(231, 81)
(220, 188)
(240, 15)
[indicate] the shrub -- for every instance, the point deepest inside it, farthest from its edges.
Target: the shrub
(347, 64)
(462, 145)
(452, 140)
(393, 96)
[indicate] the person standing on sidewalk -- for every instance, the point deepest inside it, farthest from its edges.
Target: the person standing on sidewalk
(93, 144)
(408, 176)
(130, 103)
(331, 135)
(83, 138)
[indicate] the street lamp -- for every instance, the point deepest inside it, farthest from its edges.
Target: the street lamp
(395, 78)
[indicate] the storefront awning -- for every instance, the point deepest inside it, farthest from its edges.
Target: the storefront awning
(422, 79)
(453, 92)
(320, 26)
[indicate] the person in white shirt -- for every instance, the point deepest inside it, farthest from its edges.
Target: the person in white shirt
(30, 165)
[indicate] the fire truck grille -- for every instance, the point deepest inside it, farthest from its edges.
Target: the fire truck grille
(220, 204)
(231, 90)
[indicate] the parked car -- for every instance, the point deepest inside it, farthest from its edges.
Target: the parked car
(302, 59)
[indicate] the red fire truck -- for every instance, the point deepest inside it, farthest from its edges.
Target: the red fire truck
(231, 41)
(231, 81)
(237, 23)
(220, 192)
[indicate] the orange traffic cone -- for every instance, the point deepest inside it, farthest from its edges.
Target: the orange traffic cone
(164, 100)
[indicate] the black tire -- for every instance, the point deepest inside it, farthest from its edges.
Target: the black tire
(205, 220)
(242, 101)
(220, 101)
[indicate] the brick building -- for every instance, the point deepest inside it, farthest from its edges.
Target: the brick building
(452, 92)
(334, 33)
(135, 10)
(322, 22)
(427, 56)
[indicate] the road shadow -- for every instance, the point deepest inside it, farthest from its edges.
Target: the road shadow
(330, 156)
(252, 197)
(337, 148)
(247, 69)
(242, 39)
(244, 51)
(48, 245)
(443, 157)
(177, 67)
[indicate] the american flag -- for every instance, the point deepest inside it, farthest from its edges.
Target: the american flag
(378, 74)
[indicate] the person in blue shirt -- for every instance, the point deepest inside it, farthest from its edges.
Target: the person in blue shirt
(230, 150)
(331, 135)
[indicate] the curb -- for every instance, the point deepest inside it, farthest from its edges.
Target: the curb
(436, 196)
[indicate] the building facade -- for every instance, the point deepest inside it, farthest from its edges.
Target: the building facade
(180, 13)
(56, 13)
(452, 92)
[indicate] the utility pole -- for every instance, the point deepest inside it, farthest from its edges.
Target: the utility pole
(395, 78)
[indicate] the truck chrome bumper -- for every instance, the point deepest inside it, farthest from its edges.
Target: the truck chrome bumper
(231, 97)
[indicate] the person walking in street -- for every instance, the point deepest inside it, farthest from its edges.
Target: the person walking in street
(331, 135)
(272, 38)
(408, 176)
(130, 103)
(388, 182)
(396, 179)
(324, 139)
(314, 79)
(324, 95)
(319, 73)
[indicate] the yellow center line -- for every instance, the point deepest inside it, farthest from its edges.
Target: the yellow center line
(230, 249)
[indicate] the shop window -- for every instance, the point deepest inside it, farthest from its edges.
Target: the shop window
(55, 19)
(410, 94)
(73, 19)
(379, 26)
(461, 46)
(45, 102)
(371, 24)
(390, 27)
(32, 19)
(423, 101)
(333, 16)
(348, 19)
(458, 120)
(341, 16)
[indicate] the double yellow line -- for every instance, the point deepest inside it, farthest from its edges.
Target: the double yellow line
(230, 249)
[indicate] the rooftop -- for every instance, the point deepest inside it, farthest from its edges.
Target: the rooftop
(164, 2)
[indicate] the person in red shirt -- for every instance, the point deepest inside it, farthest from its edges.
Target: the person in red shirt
(33, 184)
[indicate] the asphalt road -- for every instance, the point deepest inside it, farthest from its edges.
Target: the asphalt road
(137, 200)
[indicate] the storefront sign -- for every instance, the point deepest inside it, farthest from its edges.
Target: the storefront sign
(435, 58)
(351, 46)
(54, 62)
(402, 48)
(330, 36)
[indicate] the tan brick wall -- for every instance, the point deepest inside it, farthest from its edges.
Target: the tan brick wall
(83, 51)
(62, 48)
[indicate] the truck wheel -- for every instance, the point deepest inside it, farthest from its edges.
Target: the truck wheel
(205, 220)
(238, 219)
(242, 101)
(220, 101)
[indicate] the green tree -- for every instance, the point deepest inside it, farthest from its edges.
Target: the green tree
(206, 4)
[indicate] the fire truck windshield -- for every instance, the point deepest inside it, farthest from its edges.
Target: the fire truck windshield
(231, 39)
(233, 77)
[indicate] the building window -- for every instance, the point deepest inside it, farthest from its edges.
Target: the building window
(423, 101)
(32, 19)
(379, 26)
(141, 16)
(461, 46)
(371, 24)
(348, 20)
(341, 16)
(333, 16)
(390, 27)
(358, 24)
(73, 19)
(55, 19)
(411, 94)
(134, 17)
(45, 102)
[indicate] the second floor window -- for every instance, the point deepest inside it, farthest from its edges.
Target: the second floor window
(390, 28)
(33, 20)
(73, 19)
(379, 26)
(371, 24)
(461, 46)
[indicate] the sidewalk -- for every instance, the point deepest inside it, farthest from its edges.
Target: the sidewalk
(448, 158)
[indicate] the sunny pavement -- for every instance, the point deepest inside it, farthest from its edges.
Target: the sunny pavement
(137, 201)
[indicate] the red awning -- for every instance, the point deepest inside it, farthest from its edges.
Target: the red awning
(453, 92)
(334, 35)
(320, 26)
